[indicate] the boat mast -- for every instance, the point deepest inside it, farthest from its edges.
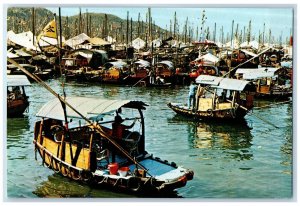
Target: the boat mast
(33, 26)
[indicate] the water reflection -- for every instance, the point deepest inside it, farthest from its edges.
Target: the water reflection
(287, 147)
(17, 129)
(234, 139)
(58, 186)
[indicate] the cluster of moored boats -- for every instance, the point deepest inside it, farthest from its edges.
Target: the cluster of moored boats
(85, 138)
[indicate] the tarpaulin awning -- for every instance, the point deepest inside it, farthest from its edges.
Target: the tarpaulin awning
(17, 80)
(98, 41)
(24, 39)
(209, 57)
(79, 39)
(87, 106)
(262, 72)
(143, 63)
(248, 53)
(138, 43)
(11, 55)
(222, 83)
(168, 63)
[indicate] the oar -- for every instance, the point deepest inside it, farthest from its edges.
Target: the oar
(95, 125)
(246, 61)
(139, 81)
(244, 108)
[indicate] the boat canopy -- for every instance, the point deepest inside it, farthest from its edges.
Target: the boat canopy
(259, 73)
(116, 64)
(91, 108)
(222, 83)
(17, 80)
(143, 63)
(169, 64)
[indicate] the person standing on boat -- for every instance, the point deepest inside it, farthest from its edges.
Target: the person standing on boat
(152, 77)
(192, 95)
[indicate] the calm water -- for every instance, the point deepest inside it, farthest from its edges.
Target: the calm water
(250, 160)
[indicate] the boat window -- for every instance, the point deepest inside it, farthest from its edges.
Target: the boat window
(263, 81)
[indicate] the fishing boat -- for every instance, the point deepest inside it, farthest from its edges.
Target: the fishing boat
(17, 100)
(219, 98)
(271, 82)
(92, 151)
(115, 72)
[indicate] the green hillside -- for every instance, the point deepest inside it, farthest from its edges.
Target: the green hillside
(93, 24)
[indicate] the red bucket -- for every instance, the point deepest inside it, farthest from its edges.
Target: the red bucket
(113, 168)
(123, 171)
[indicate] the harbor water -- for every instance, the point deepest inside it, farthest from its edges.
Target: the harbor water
(248, 160)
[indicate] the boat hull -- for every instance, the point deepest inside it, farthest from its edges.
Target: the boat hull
(102, 179)
(215, 115)
(16, 108)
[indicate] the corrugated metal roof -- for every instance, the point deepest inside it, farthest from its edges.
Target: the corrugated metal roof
(17, 80)
(87, 106)
(222, 83)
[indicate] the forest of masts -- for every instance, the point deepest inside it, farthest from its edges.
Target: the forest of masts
(148, 31)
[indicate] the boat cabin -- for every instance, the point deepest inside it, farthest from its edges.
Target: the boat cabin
(115, 71)
(164, 69)
(17, 100)
(269, 81)
(217, 93)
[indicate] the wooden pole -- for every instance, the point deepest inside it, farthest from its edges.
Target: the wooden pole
(90, 27)
(149, 24)
(60, 32)
(105, 25)
(33, 26)
(80, 21)
(139, 16)
(131, 30)
(215, 32)
(174, 32)
(232, 34)
(127, 29)
(263, 35)
(87, 22)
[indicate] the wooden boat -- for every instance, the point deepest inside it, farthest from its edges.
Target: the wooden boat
(92, 153)
(17, 100)
(160, 85)
(115, 72)
(271, 82)
(219, 98)
(165, 69)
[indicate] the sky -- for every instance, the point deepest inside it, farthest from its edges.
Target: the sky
(278, 18)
